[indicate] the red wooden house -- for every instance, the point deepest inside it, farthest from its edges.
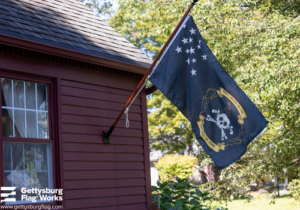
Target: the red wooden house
(65, 76)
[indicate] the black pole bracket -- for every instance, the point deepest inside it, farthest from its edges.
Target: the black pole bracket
(106, 140)
(194, 2)
(106, 135)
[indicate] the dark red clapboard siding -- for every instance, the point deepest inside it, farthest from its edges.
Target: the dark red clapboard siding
(81, 93)
(139, 206)
(104, 174)
(105, 183)
(85, 120)
(97, 170)
(66, 109)
(98, 202)
(84, 102)
(96, 88)
(91, 129)
(98, 139)
(79, 166)
(84, 156)
(107, 192)
(93, 100)
(78, 147)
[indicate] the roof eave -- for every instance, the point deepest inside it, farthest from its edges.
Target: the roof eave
(71, 54)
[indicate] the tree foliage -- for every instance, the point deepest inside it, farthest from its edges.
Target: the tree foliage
(172, 166)
(179, 195)
(169, 130)
(258, 43)
(294, 188)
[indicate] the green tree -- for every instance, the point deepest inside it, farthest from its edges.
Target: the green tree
(258, 43)
(172, 166)
(179, 195)
(169, 130)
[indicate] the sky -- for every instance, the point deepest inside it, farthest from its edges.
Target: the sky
(113, 2)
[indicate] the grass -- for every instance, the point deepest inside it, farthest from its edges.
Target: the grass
(264, 204)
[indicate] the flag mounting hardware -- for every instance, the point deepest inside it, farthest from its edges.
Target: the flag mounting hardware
(106, 134)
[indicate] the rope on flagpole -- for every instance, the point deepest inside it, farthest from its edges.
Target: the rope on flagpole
(127, 109)
(126, 113)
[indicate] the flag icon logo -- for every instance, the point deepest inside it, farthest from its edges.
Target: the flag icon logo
(6, 195)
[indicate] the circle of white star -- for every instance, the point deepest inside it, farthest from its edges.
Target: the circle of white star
(199, 47)
(191, 40)
(193, 72)
(184, 40)
(188, 61)
(192, 31)
(204, 57)
(192, 50)
(184, 26)
(194, 60)
(187, 51)
(199, 41)
(178, 49)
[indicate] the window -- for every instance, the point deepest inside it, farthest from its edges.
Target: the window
(24, 109)
(26, 136)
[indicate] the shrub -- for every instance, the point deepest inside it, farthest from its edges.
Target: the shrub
(178, 195)
(171, 166)
(294, 188)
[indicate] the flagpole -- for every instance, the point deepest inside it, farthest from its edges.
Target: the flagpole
(106, 134)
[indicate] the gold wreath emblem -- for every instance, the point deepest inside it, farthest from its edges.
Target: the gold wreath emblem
(242, 115)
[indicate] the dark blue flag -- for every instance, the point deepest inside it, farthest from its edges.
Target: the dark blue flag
(223, 118)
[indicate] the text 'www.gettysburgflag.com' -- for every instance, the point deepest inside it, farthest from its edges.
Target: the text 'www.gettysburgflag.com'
(25, 207)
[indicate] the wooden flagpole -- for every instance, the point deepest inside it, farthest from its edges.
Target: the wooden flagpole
(106, 134)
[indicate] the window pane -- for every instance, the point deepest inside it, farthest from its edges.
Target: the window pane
(30, 182)
(42, 97)
(17, 181)
(42, 180)
(29, 156)
(7, 156)
(30, 95)
(43, 126)
(6, 92)
(7, 123)
(18, 90)
(7, 180)
(31, 124)
(41, 156)
(8, 183)
(19, 116)
(37, 170)
(17, 156)
(16, 178)
(30, 179)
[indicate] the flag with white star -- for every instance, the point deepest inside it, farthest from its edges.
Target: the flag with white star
(223, 118)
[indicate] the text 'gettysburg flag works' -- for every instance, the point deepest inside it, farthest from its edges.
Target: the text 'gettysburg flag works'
(223, 118)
